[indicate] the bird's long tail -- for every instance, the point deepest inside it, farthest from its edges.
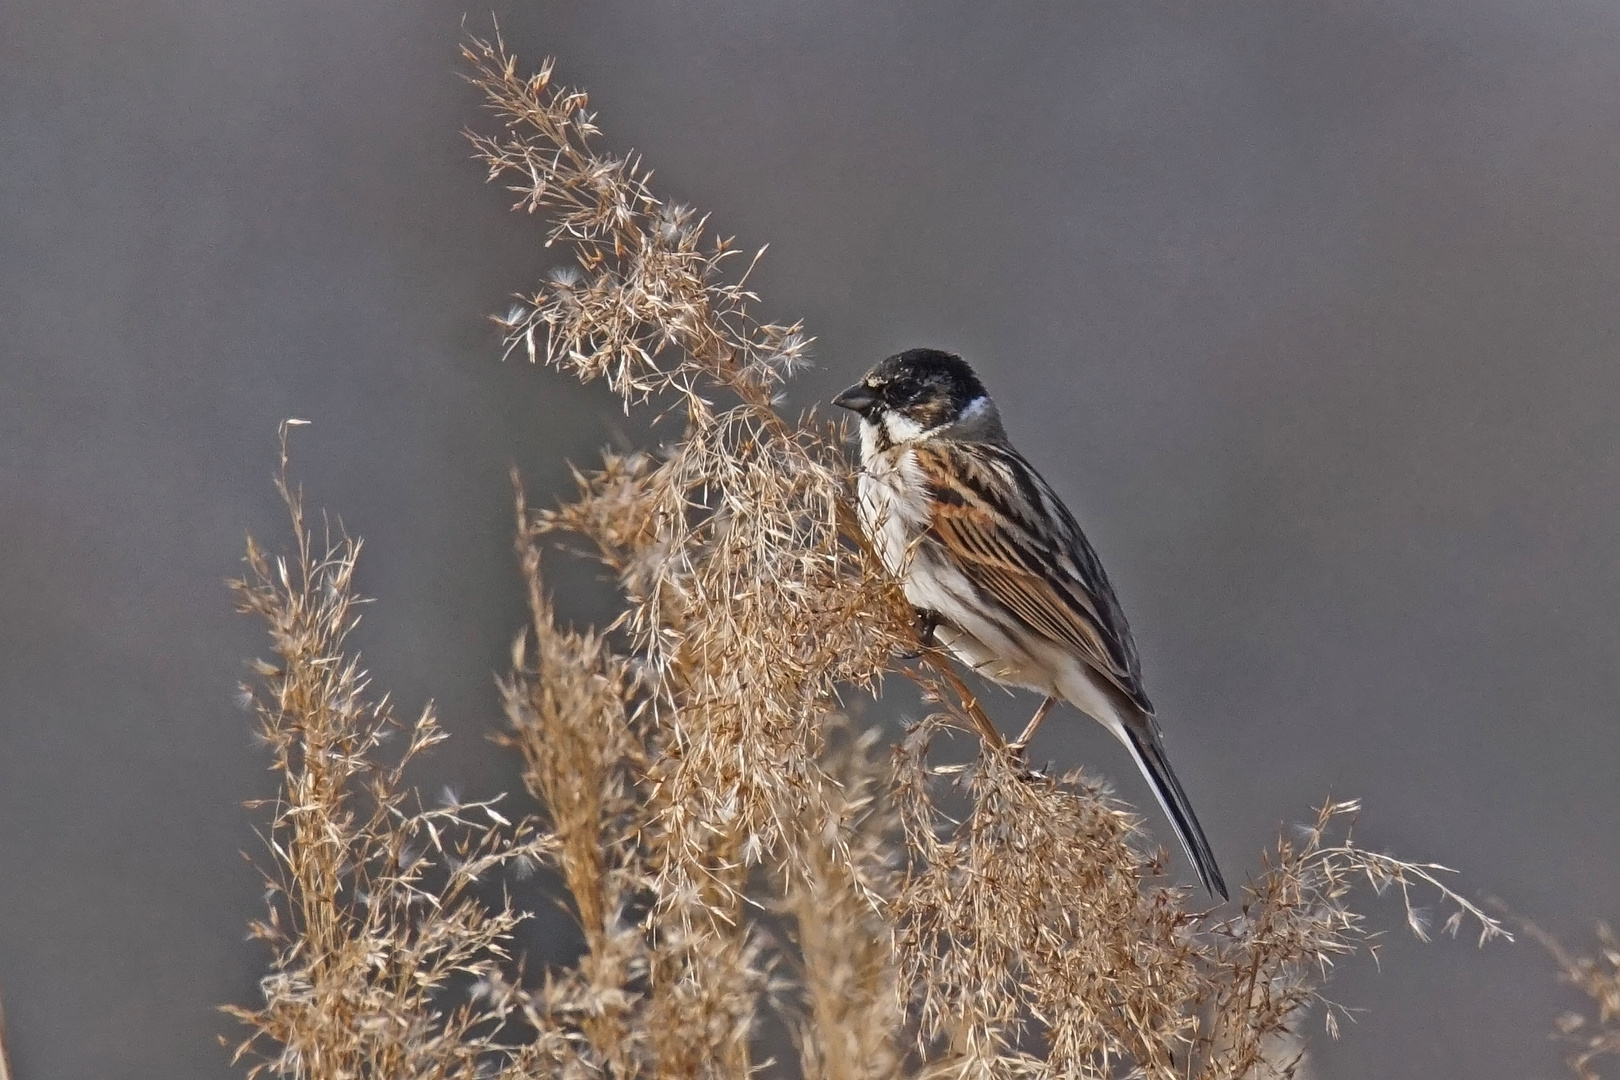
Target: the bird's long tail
(1142, 738)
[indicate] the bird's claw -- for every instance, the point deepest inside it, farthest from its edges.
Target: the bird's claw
(923, 626)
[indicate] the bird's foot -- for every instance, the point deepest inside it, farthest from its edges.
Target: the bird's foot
(924, 625)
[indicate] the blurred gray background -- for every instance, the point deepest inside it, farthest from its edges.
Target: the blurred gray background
(1309, 309)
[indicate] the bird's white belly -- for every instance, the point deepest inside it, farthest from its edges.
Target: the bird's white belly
(1020, 658)
(895, 512)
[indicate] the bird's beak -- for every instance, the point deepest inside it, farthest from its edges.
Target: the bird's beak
(858, 398)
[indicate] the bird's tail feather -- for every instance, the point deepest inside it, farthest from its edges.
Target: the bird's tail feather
(1142, 737)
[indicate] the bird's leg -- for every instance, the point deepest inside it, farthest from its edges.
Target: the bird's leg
(1018, 744)
(924, 625)
(927, 622)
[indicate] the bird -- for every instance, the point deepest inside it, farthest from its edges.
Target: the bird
(998, 570)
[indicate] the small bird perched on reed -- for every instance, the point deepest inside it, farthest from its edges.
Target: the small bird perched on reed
(996, 566)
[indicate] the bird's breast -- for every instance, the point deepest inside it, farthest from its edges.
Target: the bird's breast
(894, 506)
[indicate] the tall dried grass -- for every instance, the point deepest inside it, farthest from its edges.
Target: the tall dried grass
(730, 847)
(1592, 1038)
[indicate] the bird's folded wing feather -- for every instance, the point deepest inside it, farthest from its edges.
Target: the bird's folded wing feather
(1013, 539)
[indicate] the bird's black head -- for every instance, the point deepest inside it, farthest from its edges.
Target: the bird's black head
(922, 387)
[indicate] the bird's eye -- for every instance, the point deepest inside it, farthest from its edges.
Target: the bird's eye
(904, 392)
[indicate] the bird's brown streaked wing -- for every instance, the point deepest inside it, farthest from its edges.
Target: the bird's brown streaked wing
(1042, 572)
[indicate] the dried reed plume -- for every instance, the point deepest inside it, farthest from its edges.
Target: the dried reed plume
(1598, 977)
(372, 921)
(730, 847)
